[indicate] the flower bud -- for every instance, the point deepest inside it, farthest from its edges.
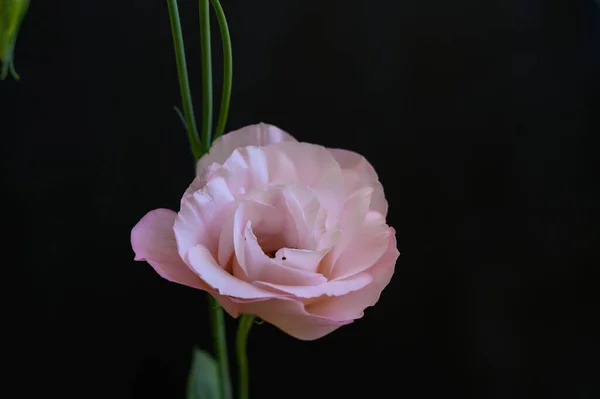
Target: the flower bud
(12, 13)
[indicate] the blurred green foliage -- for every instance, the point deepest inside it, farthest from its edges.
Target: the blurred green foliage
(12, 13)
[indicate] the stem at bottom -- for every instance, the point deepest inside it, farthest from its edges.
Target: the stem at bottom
(241, 341)
(217, 323)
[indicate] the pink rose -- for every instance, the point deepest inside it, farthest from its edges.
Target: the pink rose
(291, 232)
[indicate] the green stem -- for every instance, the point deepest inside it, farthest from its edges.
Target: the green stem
(184, 83)
(205, 53)
(241, 341)
(227, 68)
(217, 318)
(217, 322)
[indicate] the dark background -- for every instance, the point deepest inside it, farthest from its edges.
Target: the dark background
(481, 118)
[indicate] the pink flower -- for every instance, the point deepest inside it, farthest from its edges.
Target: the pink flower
(291, 232)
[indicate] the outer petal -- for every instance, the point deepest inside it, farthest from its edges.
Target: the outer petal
(358, 174)
(356, 207)
(254, 135)
(368, 244)
(200, 180)
(153, 240)
(291, 317)
(201, 216)
(351, 306)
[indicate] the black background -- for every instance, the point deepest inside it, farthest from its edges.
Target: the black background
(480, 117)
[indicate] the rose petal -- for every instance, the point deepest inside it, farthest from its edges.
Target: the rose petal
(358, 174)
(301, 211)
(200, 260)
(153, 240)
(351, 306)
(368, 244)
(330, 288)
(352, 219)
(328, 240)
(291, 317)
(266, 218)
(300, 259)
(261, 267)
(226, 242)
(251, 169)
(199, 219)
(248, 169)
(254, 135)
(200, 180)
(317, 169)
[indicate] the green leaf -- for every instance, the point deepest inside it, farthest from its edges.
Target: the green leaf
(203, 380)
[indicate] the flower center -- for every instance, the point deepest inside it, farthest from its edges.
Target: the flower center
(270, 244)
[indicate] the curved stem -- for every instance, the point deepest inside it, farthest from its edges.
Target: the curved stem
(227, 68)
(217, 322)
(241, 341)
(24, 6)
(205, 52)
(184, 84)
